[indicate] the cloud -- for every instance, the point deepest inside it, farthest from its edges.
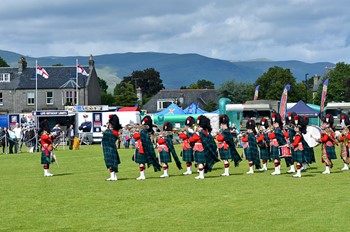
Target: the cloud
(306, 30)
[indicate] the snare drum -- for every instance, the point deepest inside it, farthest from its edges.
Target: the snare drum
(285, 151)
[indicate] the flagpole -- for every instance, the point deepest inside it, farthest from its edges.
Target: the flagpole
(36, 85)
(76, 91)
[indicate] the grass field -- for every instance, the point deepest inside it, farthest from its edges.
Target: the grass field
(78, 198)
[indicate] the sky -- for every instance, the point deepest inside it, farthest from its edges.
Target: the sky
(306, 30)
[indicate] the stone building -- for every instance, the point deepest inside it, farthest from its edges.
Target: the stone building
(18, 88)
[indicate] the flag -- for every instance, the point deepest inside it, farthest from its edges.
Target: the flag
(256, 92)
(283, 102)
(323, 98)
(41, 71)
(81, 70)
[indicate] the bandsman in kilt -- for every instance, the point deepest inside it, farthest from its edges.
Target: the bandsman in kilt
(263, 143)
(308, 151)
(276, 140)
(251, 147)
(166, 149)
(144, 151)
(289, 133)
(328, 142)
(109, 147)
(46, 152)
(187, 150)
(344, 140)
(298, 147)
(227, 149)
(205, 149)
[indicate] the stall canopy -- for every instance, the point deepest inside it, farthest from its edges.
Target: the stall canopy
(172, 109)
(133, 108)
(302, 109)
(194, 109)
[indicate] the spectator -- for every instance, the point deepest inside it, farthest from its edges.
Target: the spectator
(70, 136)
(126, 136)
(56, 134)
(12, 139)
(18, 142)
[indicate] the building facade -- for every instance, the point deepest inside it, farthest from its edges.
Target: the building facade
(181, 97)
(19, 87)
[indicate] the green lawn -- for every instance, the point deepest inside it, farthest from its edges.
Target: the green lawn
(78, 198)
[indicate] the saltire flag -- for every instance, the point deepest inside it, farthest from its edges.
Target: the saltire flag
(256, 92)
(81, 70)
(323, 97)
(41, 71)
(283, 102)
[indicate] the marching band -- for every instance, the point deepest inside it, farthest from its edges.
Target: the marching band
(287, 139)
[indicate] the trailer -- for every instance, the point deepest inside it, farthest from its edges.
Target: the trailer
(336, 109)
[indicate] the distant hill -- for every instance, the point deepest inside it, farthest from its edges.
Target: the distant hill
(176, 70)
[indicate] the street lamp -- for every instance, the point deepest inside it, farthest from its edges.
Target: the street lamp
(306, 74)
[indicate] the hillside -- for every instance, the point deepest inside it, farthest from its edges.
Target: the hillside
(176, 70)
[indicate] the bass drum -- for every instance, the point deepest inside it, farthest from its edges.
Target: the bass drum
(313, 133)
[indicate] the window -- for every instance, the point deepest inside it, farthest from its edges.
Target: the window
(71, 97)
(49, 98)
(5, 77)
(1, 100)
(30, 98)
(164, 103)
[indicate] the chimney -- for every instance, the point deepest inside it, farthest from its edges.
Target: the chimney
(315, 79)
(139, 94)
(22, 64)
(91, 62)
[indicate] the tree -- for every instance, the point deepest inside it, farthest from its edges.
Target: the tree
(204, 84)
(339, 80)
(201, 84)
(58, 65)
(107, 99)
(210, 106)
(273, 82)
(125, 94)
(103, 85)
(3, 63)
(237, 92)
(148, 80)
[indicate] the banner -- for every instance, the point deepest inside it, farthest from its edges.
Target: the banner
(97, 122)
(323, 97)
(256, 93)
(283, 102)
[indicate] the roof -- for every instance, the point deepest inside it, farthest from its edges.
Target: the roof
(172, 109)
(133, 108)
(302, 109)
(59, 77)
(189, 96)
(194, 109)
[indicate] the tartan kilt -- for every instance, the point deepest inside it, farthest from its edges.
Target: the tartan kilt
(187, 155)
(265, 154)
(45, 159)
(140, 158)
(309, 155)
(275, 153)
(200, 157)
(331, 152)
(225, 154)
(248, 154)
(298, 156)
(164, 157)
(112, 161)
